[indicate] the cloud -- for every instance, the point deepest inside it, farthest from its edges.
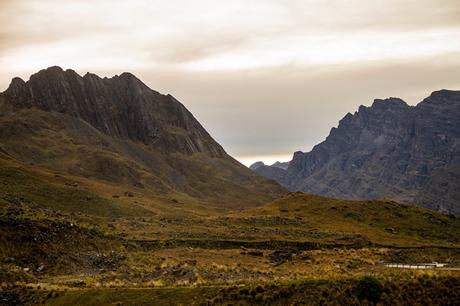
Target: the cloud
(189, 49)
(285, 70)
(280, 110)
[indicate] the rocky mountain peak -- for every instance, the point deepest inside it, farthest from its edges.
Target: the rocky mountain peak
(256, 165)
(442, 98)
(387, 150)
(445, 93)
(281, 165)
(121, 106)
(16, 86)
(389, 103)
(348, 118)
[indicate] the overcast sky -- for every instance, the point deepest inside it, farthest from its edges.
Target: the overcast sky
(265, 78)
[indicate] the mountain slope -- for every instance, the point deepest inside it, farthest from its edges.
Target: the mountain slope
(119, 131)
(381, 222)
(389, 150)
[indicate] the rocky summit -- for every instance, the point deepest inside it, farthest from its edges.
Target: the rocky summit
(388, 150)
(121, 107)
(118, 130)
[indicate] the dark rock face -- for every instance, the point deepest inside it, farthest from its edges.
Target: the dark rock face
(272, 172)
(121, 107)
(281, 165)
(388, 150)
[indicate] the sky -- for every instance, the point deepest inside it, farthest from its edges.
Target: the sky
(265, 78)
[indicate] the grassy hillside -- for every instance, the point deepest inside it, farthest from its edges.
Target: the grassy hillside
(444, 291)
(68, 146)
(382, 222)
(59, 193)
(79, 240)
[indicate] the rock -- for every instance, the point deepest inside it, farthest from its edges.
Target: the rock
(391, 230)
(256, 165)
(136, 112)
(279, 257)
(388, 150)
(273, 173)
(284, 165)
(110, 261)
(129, 194)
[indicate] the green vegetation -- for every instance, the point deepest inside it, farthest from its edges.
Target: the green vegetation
(60, 194)
(58, 143)
(382, 222)
(421, 290)
(72, 240)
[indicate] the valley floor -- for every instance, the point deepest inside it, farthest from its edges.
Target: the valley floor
(300, 249)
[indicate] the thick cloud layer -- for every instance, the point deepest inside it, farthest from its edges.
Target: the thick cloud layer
(266, 78)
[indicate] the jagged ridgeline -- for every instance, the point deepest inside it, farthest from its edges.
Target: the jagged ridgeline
(388, 150)
(119, 131)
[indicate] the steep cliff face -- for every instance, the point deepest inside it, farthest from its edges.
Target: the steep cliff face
(388, 150)
(118, 130)
(121, 107)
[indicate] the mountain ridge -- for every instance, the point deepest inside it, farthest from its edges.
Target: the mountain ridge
(387, 150)
(87, 97)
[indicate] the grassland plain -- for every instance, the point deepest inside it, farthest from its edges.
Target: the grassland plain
(83, 241)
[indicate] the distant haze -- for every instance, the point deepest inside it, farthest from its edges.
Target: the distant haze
(265, 78)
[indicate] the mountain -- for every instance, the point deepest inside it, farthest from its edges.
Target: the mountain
(119, 131)
(281, 165)
(256, 165)
(388, 150)
(111, 193)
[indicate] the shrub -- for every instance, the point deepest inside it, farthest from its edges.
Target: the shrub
(369, 288)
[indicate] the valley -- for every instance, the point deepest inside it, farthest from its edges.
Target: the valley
(137, 250)
(114, 194)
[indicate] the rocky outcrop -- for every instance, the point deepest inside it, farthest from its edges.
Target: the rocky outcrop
(271, 172)
(388, 150)
(256, 165)
(276, 171)
(121, 107)
(281, 165)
